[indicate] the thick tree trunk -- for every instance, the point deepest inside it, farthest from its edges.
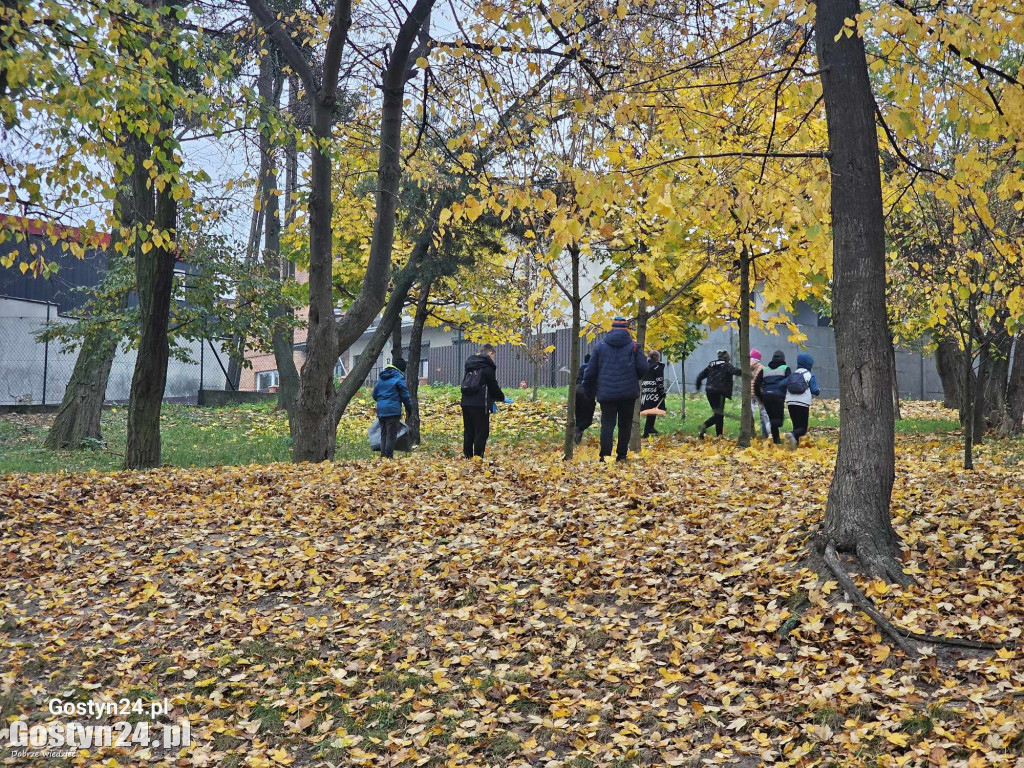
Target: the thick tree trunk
(996, 383)
(569, 444)
(950, 366)
(857, 515)
(746, 418)
(641, 340)
(79, 415)
(1013, 415)
(412, 371)
(154, 282)
(316, 410)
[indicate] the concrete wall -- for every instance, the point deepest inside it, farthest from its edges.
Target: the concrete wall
(37, 373)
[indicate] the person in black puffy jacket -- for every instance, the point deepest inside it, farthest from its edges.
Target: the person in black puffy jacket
(719, 374)
(770, 388)
(480, 391)
(613, 378)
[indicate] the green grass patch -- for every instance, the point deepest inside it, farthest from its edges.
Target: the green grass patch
(259, 434)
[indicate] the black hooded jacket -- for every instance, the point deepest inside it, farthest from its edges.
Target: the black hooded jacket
(719, 375)
(490, 392)
(771, 379)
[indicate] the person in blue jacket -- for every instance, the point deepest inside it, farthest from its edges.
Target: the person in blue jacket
(391, 393)
(612, 379)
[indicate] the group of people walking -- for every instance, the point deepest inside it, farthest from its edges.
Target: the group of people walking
(774, 388)
(615, 375)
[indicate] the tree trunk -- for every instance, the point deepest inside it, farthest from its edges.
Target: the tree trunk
(641, 340)
(982, 383)
(396, 339)
(569, 444)
(236, 344)
(995, 385)
(746, 418)
(895, 384)
(857, 515)
(79, 415)
(283, 339)
(950, 366)
(1013, 414)
(154, 272)
(682, 394)
(316, 409)
(967, 415)
(412, 371)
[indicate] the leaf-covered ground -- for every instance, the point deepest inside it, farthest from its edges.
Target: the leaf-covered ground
(517, 612)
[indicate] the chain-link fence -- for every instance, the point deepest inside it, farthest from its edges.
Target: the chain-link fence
(33, 372)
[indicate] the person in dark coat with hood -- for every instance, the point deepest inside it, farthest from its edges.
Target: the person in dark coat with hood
(391, 393)
(652, 391)
(584, 405)
(612, 379)
(480, 391)
(718, 374)
(770, 388)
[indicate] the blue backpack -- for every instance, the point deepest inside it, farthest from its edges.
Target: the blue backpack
(796, 384)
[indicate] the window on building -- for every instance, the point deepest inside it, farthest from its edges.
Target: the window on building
(266, 379)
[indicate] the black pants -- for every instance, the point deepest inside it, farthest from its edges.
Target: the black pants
(613, 411)
(476, 427)
(717, 419)
(776, 407)
(584, 413)
(799, 415)
(388, 435)
(649, 426)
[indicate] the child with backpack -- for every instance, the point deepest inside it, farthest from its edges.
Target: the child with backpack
(770, 389)
(800, 387)
(390, 393)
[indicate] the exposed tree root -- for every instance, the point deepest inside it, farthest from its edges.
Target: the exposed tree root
(902, 637)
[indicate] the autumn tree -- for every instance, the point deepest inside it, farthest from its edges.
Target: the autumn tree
(314, 414)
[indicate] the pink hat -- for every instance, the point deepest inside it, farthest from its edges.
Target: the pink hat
(755, 354)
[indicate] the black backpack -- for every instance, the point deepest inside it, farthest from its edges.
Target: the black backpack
(473, 381)
(796, 384)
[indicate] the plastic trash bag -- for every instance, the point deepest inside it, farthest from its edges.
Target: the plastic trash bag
(403, 442)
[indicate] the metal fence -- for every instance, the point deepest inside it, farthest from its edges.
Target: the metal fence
(37, 373)
(514, 363)
(916, 374)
